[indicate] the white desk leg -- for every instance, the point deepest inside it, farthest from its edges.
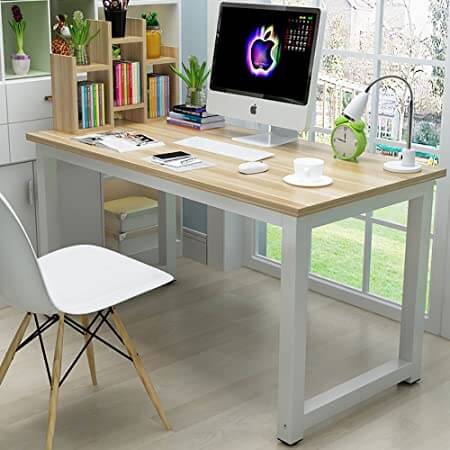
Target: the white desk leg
(296, 252)
(168, 232)
(415, 282)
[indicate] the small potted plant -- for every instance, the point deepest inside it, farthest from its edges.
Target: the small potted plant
(20, 61)
(153, 35)
(80, 37)
(194, 77)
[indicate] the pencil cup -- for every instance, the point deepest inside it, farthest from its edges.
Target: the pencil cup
(118, 21)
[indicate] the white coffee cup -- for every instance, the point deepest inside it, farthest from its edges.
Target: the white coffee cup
(408, 158)
(309, 169)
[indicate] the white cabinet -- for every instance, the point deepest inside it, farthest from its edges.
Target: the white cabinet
(3, 116)
(4, 145)
(28, 100)
(17, 185)
(20, 148)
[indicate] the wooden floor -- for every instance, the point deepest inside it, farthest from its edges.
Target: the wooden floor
(210, 343)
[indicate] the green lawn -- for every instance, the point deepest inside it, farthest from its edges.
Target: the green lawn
(337, 254)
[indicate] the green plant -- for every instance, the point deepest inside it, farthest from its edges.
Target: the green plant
(18, 25)
(195, 75)
(151, 19)
(80, 30)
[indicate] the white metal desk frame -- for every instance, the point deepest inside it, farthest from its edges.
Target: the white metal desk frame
(294, 413)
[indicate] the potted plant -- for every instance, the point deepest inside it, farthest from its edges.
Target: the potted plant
(80, 37)
(194, 77)
(153, 35)
(20, 61)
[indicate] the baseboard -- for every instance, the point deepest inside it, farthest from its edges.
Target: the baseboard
(195, 245)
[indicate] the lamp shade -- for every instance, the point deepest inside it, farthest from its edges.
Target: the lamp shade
(356, 108)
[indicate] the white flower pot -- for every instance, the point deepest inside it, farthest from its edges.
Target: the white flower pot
(20, 64)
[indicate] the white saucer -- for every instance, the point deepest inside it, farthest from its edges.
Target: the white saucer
(294, 181)
(397, 167)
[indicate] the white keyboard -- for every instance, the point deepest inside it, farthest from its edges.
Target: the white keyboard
(224, 149)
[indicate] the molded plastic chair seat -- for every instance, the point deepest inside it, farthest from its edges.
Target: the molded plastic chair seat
(84, 279)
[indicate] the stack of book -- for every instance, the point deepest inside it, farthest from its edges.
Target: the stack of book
(158, 95)
(193, 117)
(91, 104)
(127, 82)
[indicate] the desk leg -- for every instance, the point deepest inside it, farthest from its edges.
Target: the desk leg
(415, 282)
(293, 329)
(168, 232)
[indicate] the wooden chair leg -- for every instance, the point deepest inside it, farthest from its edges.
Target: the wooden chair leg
(12, 349)
(90, 351)
(54, 391)
(138, 364)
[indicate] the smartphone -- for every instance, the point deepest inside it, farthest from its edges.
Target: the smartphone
(172, 156)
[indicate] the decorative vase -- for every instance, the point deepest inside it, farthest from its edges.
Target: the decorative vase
(196, 97)
(20, 64)
(153, 42)
(81, 56)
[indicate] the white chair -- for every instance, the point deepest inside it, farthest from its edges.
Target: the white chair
(78, 281)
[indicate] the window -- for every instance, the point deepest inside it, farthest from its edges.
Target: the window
(366, 39)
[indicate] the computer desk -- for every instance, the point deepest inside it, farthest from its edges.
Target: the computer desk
(64, 169)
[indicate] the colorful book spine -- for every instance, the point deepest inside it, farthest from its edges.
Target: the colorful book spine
(91, 104)
(158, 96)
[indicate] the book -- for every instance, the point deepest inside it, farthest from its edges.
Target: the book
(127, 82)
(158, 95)
(91, 104)
(193, 110)
(210, 118)
(195, 126)
(120, 141)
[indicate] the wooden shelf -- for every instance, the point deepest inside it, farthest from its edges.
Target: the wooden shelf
(128, 107)
(128, 40)
(94, 67)
(94, 129)
(162, 60)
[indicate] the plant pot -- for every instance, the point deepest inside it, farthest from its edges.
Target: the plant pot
(196, 97)
(20, 64)
(153, 42)
(81, 55)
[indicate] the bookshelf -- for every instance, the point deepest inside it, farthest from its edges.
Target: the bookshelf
(65, 76)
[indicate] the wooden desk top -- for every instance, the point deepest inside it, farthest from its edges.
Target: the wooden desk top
(352, 182)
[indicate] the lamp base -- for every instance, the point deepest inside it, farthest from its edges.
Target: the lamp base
(398, 167)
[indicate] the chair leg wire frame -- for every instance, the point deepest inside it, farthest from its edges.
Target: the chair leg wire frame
(90, 332)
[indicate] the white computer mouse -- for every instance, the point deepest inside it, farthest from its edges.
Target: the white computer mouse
(253, 167)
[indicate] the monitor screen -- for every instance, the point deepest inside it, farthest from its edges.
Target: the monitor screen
(265, 51)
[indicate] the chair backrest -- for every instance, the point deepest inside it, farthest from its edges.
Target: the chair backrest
(21, 282)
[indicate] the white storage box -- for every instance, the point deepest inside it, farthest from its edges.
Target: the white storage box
(130, 214)
(133, 242)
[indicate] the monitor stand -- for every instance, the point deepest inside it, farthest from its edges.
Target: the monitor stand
(273, 138)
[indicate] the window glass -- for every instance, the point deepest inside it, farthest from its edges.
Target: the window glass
(415, 28)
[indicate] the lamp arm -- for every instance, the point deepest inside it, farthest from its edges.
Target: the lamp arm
(411, 103)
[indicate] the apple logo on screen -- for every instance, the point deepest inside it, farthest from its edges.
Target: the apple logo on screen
(263, 51)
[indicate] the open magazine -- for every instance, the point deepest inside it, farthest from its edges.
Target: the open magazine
(120, 141)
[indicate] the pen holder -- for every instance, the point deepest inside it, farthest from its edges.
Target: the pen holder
(118, 21)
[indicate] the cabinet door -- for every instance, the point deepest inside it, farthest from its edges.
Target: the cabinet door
(4, 144)
(28, 100)
(3, 115)
(16, 184)
(20, 148)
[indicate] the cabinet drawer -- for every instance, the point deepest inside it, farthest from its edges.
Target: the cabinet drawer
(26, 100)
(4, 145)
(3, 116)
(16, 184)
(20, 148)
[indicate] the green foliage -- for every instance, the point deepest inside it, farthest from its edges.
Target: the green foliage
(426, 135)
(80, 30)
(195, 75)
(18, 25)
(151, 19)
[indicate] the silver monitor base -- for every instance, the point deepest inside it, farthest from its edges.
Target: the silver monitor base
(275, 137)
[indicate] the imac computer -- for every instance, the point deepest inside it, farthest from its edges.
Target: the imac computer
(265, 67)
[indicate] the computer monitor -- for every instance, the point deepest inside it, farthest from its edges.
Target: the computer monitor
(265, 67)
